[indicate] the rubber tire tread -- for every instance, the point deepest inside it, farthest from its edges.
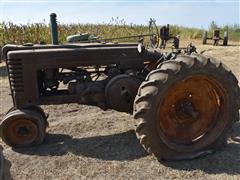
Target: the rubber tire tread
(158, 81)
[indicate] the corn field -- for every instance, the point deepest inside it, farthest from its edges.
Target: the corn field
(11, 33)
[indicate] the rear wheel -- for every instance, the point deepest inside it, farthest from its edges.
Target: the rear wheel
(205, 37)
(186, 108)
(23, 128)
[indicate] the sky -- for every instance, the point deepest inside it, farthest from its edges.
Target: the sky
(190, 13)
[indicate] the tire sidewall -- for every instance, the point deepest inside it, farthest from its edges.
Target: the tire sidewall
(26, 114)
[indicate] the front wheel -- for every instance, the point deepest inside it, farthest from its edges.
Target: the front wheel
(185, 109)
(23, 128)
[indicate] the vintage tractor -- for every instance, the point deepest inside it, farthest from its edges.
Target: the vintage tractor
(216, 37)
(184, 103)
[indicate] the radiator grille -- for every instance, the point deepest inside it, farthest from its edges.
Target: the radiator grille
(15, 74)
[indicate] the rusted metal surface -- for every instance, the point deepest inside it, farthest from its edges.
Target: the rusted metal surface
(19, 128)
(30, 67)
(24, 127)
(191, 108)
(21, 131)
(11, 47)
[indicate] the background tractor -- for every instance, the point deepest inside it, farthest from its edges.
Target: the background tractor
(184, 103)
(158, 38)
(216, 37)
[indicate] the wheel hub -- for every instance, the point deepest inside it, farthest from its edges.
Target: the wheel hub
(186, 109)
(21, 131)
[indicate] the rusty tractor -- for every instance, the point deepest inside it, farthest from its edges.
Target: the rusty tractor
(216, 38)
(184, 103)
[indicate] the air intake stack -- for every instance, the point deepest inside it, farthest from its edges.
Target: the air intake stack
(53, 26)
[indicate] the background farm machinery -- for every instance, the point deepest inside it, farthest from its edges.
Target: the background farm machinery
(216, 37)
(158, 38)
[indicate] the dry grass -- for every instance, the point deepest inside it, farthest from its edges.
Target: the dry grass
(84, 142)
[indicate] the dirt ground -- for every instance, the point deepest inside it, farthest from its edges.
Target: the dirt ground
(84, 142)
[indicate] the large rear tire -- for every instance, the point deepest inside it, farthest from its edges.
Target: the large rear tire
(186, 108)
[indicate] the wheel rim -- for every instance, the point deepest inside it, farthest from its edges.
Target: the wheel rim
(190, 109)
(21, 131)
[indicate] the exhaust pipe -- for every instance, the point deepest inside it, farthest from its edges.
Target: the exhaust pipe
(54, 28)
